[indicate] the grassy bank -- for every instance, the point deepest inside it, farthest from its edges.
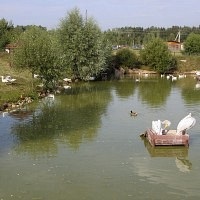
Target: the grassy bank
(22, 86)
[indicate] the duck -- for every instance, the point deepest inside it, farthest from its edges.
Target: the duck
(133, 113)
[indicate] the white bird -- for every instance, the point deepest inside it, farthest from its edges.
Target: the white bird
(166, 123)
(67, 87)
(198, 73)
(183, 60)
(7, 79)
(137, 80)
(40, 85)
(181, 76)
(174, 78)
(10, 79)
(69, 80)
(50, 96)
(4, 80)
(36, 75)
(197, 86)
(168, 77)
(91, 78)
(4, 114)
(186, 123)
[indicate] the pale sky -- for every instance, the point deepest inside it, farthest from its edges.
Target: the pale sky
(107, 13)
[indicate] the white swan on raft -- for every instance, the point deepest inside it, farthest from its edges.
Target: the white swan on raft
(186, 123)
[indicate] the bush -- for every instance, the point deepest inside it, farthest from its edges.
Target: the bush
(126, 58)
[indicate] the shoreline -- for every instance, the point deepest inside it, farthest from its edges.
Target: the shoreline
(143, 71)
(23, 101)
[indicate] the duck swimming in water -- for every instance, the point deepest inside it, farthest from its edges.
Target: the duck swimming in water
(133, 113)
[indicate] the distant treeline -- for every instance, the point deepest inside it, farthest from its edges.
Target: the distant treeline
(131, 36)
(10, 33)
(137, 36)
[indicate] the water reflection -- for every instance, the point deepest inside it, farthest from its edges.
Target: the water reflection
(178, 152)
(19, 113)
(157, 92)
(70, 118)
(86, 143)
(183, 164)
(125, 88)
(188, 90)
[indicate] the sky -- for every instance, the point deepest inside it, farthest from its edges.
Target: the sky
(108, 14)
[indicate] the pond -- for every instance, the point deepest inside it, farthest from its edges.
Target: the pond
(85, 144)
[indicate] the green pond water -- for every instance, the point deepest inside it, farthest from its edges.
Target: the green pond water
(84, 145)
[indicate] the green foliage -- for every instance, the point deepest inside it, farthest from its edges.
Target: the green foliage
(157, 56)
(38, 52)
(5, 30)
(83, 45)
(192, 44)
(126, 57)
(137, 36)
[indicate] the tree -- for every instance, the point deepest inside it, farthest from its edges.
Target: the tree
(192, 44)
(5, 30)
(37, 51)
(157, 56)
(126, 57)
(83, 45)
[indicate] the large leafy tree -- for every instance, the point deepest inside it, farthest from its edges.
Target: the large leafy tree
(192, 44)
(156, 55)
(37, 51)
(5, 32)
(84, 49)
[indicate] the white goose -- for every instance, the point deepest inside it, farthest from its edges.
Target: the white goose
(4, 80)
(7, 79)
(50, 96)
(69, 80)
(67, 87)
(168, 77)
(174, 78)
(137, 80)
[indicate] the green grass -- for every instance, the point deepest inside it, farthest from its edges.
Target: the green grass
(22, 86)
